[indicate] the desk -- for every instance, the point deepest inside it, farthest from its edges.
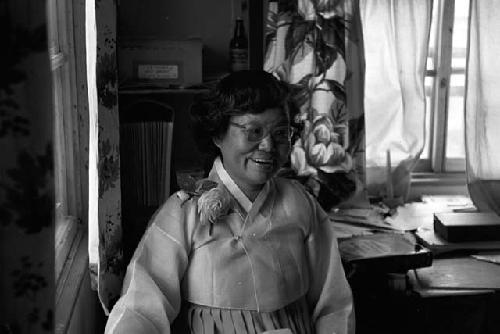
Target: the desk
(457, 294)
(454, 295)
(459, 273)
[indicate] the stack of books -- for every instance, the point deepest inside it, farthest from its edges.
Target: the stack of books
(465, 231)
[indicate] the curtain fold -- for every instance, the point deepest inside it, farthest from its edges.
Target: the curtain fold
(105, 231)
(396, 37)
(307, 42)
(482, 106)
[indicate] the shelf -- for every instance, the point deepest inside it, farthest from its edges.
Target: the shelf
(146, 91)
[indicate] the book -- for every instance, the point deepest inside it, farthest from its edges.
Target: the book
(384, 252)
(467, 226)
(429, 239)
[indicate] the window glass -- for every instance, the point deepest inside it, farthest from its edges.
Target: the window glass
(450, 134)
(455, 145)
(429, 79)
(429, 82)
(66, 181)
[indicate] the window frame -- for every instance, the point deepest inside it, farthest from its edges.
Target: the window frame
(437, 163)
(69, 210)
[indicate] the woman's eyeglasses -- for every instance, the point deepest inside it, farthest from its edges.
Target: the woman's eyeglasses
(255, 133)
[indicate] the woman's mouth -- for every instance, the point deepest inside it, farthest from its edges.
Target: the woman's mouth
(263, 163)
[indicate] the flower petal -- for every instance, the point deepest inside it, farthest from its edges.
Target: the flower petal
(322, 133)
(318, 154)
(299, 162)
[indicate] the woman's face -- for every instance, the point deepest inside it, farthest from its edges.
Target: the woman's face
(254, 147)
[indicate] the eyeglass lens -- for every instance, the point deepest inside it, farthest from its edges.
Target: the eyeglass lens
(256, 133)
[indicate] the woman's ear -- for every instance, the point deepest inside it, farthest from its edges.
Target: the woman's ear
(216, 142)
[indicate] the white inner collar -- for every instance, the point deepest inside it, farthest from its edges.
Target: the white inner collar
(233, 188)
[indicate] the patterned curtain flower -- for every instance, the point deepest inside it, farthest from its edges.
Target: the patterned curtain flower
(321, 146)
(328, 8)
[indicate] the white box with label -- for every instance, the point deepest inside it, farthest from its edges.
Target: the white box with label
(160, 63)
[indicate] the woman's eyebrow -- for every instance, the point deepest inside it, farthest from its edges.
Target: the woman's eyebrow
(280, 122)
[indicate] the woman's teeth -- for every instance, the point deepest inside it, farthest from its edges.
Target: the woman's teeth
(263, 161)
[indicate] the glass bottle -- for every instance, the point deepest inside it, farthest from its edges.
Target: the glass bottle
(238, 48)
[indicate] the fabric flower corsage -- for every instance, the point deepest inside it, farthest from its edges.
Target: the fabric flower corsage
(213, 204)
(214, 201)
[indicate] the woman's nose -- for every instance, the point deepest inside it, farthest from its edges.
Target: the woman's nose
(266, 144)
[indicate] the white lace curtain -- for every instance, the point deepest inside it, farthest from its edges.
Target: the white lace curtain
(395, 38)
(482, 107)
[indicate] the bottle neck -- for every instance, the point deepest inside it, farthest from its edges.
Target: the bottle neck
(239, 29)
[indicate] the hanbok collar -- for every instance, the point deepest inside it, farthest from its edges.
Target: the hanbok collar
(246, 204)
(233, 188)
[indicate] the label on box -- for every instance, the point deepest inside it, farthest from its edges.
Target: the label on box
(158, 71)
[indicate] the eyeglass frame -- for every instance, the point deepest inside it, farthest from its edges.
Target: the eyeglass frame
(267, 132)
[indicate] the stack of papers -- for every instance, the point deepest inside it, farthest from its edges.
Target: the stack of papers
(415, 215)
(488, 257)
(438, 245)
(355, 222)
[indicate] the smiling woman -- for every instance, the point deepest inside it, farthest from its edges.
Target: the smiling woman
(269, 249)
(251, 153)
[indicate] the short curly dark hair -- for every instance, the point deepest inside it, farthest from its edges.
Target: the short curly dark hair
(239, 93)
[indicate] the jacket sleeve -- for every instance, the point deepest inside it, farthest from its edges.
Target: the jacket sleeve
(329, 294)
(151, 293)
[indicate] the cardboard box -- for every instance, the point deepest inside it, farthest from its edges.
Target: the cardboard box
(160, 63)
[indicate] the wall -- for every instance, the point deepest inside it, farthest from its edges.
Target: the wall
(210, 20)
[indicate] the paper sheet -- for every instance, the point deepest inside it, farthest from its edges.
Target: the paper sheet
(493, 258)
(416, 215)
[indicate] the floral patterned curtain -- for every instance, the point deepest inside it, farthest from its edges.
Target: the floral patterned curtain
(316, 46)
(26, 170)
(105, 239)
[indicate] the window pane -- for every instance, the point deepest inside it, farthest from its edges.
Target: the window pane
(65, 130)
(455, 145)
(433, 37)
(460, 25)
(429, 81)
